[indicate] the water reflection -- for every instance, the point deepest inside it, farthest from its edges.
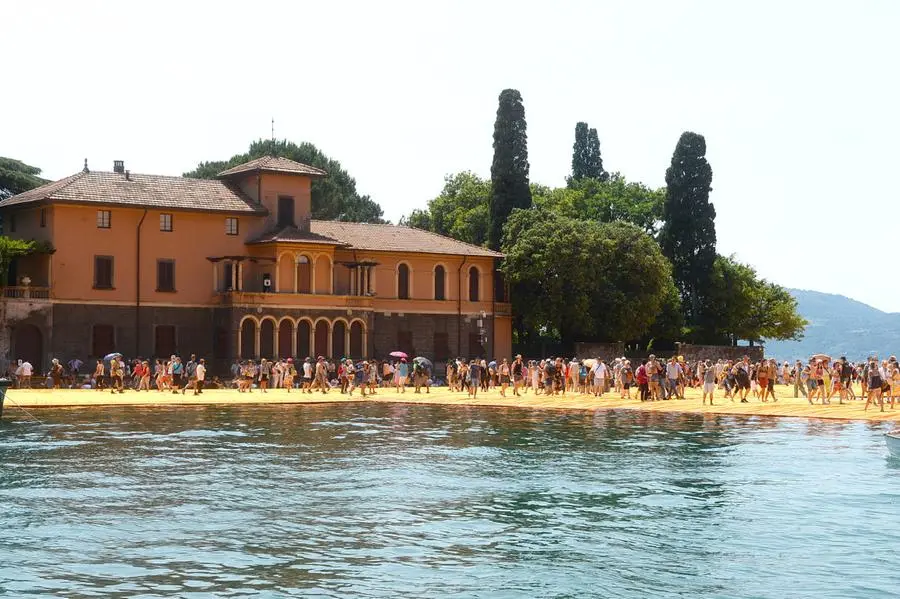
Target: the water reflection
(398, 500)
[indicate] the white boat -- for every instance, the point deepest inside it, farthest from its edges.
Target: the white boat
(892, 439)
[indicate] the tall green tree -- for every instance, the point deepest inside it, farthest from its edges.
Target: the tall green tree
(744, 306)
(16, 177)
(688, 234)
(584, 280)
(333, 197)
(586, 160)
(509, 170)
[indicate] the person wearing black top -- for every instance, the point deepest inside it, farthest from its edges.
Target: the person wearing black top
(518, 369)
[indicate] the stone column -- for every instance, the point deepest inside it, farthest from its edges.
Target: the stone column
(234, 274)
(256, 340)
(296, 275)
(329, 346)
(215, 276)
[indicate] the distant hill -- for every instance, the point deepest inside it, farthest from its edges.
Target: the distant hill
(839, 326)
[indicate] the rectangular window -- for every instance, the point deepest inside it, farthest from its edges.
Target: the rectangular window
(104, 219)
(405, 342)
(103, 340)
(12, 223)
(165, 341)
(103, 272)
(165, 275)
(441, 346)
(285, 211)
(165, 222)
(231, 226)
(229, 274)
(43, 217)
(476, 350)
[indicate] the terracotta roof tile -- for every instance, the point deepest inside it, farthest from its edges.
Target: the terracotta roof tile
(274, 164)
(294, 235)
(141, 191)
(396, 238)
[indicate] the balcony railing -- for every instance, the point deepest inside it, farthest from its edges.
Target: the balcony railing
(26, 292)
(503, 309)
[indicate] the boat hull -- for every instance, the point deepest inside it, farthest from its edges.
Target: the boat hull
(892, 440)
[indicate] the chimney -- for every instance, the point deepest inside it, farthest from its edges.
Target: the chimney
(128, 175)
(119, 166)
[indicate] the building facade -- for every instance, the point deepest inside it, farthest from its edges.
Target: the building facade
(234, 268)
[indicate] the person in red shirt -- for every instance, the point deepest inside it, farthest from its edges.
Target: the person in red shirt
(643, 381)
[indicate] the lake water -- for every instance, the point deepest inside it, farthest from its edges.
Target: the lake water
(377, 500)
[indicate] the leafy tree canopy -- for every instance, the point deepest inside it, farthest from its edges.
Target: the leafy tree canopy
(584, 279)
(11, 249)
(610, 200)
(333, 197)
(740, 305)
(460, 211)
(16, 177)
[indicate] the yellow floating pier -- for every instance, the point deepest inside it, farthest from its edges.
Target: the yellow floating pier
(787, 405)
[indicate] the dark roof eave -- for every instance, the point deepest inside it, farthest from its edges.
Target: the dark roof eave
(257, 170)
(261, 211)
(298, 242)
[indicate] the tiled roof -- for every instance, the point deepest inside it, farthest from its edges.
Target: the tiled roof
(274, 164)
(294, 235)
(141, 191)
(395, 238)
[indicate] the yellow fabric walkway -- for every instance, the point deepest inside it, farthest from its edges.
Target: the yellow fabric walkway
(786, 405)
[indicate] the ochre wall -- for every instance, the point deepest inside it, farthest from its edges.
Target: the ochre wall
(194, 237)
(274, 185)
(502, 337)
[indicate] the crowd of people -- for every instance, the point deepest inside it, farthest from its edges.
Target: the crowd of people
(820, 379)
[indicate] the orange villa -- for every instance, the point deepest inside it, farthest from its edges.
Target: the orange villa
(152, 265)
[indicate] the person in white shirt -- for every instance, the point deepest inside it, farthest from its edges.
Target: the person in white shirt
(200, 375)
(599, 373)
(27, 371)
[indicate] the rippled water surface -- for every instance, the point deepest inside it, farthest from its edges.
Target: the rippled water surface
(374, 500)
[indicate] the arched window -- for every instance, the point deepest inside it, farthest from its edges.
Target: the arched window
(403, 281)
(304, 274)
(439, 277)
(338, 345)
(474, 276)
(248, 339)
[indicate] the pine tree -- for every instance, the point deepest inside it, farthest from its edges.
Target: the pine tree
(509, 170)
(586, 160)
(688, 234)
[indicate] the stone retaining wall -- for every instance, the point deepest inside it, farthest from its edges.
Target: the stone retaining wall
(693, 352)
(607, 351)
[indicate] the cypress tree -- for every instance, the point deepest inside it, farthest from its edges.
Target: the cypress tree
(580, 152)
(595, 170)
(688, 234)
(586, 160)
(509, 170)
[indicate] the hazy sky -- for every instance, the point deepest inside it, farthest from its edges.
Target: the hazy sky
(798, 102)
